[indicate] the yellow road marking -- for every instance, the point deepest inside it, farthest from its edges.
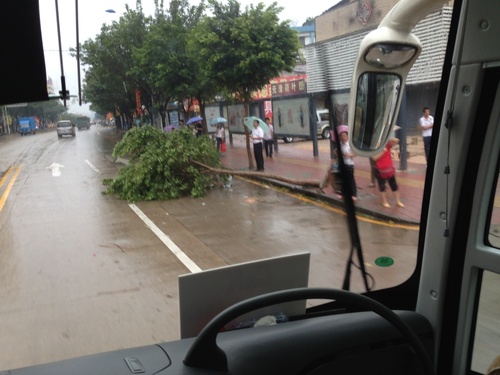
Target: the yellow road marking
(4, 178)
(6, 193)
(333, 209)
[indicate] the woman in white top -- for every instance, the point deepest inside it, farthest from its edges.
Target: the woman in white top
(219, 135)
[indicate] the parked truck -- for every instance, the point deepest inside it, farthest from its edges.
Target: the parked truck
(27, 125)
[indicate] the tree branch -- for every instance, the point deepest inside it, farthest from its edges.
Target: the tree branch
(303, 183)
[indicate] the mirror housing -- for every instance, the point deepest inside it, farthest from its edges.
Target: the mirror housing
(384, 60)
(389, 55)
(385, 57)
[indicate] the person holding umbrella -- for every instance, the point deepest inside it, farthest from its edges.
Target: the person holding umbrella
(198, 127)
(257, 136)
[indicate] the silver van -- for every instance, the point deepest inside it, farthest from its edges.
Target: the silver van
(65, 127)
(323, 119)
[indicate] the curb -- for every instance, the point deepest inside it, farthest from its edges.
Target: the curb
(319, 196)
(336, 202)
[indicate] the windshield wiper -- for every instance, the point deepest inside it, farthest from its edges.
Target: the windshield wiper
(350, 210)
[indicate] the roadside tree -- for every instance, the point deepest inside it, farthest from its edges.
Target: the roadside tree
(242, 50)
(162, 61)
(48, 111)
(108, 61)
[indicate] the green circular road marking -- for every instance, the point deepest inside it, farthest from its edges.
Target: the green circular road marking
(384, 261)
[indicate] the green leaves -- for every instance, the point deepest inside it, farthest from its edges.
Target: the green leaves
(181, 52)
(48, 111)
(161, 165)
(243, 50)
(108, 62)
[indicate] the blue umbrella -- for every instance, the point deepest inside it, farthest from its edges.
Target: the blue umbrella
(194, 119)
(216, 120)
(248, 121)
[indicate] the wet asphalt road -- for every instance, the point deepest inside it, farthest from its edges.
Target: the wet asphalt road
(81, 273)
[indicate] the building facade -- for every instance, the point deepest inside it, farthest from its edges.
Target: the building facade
(306, 36)
(339, 32)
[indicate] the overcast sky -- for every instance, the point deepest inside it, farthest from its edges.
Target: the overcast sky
(92, 14)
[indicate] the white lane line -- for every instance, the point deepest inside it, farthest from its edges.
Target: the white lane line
(166, 240)
(92, 166)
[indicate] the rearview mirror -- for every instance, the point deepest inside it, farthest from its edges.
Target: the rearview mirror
(377, 97)
(384, 60)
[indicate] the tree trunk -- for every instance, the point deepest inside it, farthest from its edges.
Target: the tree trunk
(202, 114)
(163, 116)
(303, 183)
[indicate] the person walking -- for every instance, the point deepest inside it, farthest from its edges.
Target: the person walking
(426, 123)
(257, 136)
(385, 172)
(269, 139)
(348, 156)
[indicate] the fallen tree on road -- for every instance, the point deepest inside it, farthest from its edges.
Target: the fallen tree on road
(169, 166)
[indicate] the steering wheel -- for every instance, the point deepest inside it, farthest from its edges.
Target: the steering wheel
(205, 354)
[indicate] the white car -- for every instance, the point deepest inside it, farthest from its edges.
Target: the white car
(65, 127)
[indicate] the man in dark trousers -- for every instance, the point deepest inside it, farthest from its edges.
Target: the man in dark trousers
(269, 139)
(426, 124)
(257, 138)
(199, 128)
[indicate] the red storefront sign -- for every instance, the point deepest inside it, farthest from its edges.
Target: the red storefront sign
(283, 86)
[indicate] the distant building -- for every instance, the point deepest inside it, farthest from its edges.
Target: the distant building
(307, 35)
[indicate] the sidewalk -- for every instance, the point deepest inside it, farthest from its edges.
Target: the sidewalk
(295, 160)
